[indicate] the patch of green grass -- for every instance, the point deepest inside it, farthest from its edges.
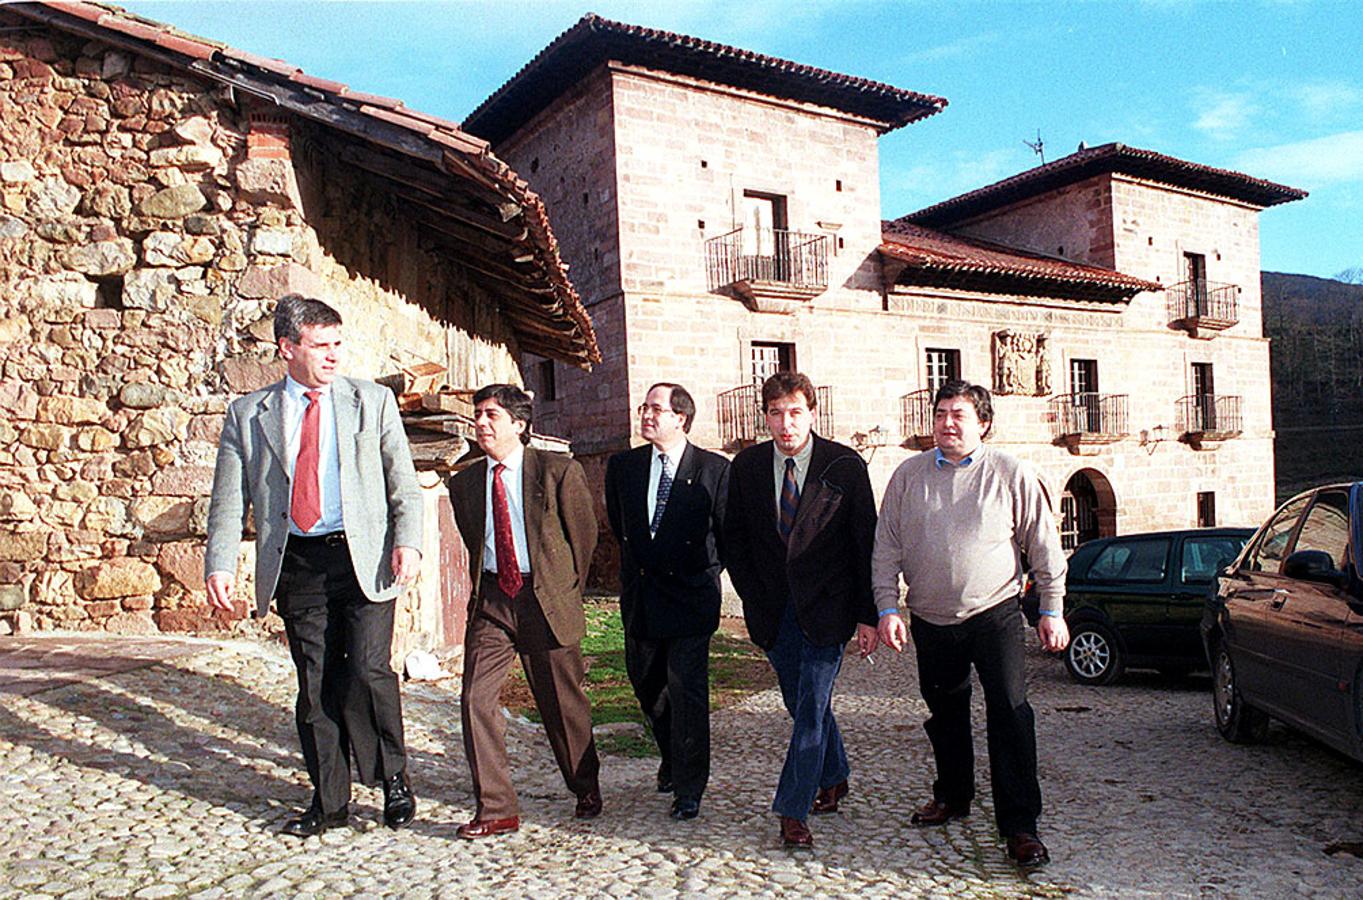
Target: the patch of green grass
(737, 670)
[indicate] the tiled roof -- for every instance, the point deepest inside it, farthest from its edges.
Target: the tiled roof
(1101, 160)
(594, 40)
(930, 258)
(516, 257)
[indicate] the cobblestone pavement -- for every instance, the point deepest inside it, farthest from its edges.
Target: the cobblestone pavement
(172, 779)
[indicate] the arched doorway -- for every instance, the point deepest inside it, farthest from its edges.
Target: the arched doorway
(1088, 509)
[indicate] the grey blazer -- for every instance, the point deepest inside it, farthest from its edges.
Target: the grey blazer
(380, 498)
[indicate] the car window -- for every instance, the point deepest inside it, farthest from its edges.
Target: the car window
(1326, 526)
(1142, 560)
(1203, 555)
(1268, 556)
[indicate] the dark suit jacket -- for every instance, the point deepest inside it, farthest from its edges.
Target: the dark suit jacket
(560, 531)
(825, 570)
(669, 582)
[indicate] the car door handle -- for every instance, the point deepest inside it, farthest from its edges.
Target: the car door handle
(1279, 598)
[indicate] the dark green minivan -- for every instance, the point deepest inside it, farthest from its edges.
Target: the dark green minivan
(1136, 601)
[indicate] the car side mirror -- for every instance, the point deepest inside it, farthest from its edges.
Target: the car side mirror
(1313, 565)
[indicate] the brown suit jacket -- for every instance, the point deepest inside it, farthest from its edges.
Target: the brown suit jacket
(560, 530)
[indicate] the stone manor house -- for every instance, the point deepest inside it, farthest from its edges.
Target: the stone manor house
(720, 213)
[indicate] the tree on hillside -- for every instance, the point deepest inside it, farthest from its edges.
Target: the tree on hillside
(1351, 275)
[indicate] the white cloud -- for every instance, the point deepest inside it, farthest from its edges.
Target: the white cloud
(1222, 115)
(1326, 99)
(1324, 160)
(964, 47)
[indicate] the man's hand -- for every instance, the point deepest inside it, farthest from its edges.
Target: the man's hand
(406, 563)
(892, 631)
(1054, 633)
(867, 639)
(219, 586)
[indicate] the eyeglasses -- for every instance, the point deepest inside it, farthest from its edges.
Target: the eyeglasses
(655, 409)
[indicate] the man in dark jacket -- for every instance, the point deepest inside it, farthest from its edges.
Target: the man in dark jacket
(798, 540)
(665, 501)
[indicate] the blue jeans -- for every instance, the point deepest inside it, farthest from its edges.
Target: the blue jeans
(816, 758)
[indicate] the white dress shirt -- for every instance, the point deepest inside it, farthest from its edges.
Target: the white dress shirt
(655, 471)
(328, 456)
(511, 479)
(801, 468)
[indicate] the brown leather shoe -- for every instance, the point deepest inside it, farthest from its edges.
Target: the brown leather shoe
(588, 805)
(795, 834)
(1027, 850)
(826, 800)
(481, 828)
(938, 812)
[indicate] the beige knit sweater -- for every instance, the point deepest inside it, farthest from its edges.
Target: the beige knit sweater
(957, 535)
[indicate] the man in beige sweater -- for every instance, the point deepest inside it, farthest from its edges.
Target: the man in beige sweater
(955, 523)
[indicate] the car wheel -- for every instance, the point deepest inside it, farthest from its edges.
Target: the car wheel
(1093, 656)
(1237, 721)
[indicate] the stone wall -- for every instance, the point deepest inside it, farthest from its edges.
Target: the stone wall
(147, 224)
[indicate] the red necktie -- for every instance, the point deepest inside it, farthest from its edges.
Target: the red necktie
(508, 570)
(306, 505)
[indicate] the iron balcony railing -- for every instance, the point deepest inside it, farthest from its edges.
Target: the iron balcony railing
(1204, 300)
(767, 254)
(915, 414)
(1210, 414)
(1087, 412)
(740, 415)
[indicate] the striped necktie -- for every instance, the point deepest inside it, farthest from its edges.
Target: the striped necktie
(790, 501)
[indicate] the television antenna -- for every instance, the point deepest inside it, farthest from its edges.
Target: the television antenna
(1039, 147)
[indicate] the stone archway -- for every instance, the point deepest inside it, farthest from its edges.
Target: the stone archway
(1088, 508)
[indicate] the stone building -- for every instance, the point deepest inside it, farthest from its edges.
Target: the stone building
(158, 192)
(723, 208)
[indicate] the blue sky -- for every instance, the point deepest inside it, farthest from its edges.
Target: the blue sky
(1274, 89)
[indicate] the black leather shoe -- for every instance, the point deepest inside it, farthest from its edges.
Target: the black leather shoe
(588, 805)
(314, 822)
(399, 803)
(685, 808)
(938, 812)
(1027, 851)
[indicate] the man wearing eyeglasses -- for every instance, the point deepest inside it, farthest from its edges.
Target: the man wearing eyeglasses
(665, 502)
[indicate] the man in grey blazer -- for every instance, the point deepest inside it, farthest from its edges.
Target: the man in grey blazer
(323, 463)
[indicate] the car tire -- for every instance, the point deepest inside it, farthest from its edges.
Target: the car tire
(1094, 657)
(1238, 721)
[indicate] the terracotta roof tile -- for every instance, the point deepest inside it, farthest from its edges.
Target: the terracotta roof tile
(594, 40)
(936, 258)
(463, 157)
(324, 85)
(1100, 160)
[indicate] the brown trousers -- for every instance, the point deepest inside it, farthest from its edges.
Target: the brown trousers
(503, 628)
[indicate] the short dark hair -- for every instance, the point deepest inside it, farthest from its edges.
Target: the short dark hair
(681, 402)
(977, 395)
(515, 401)
(783, 384)
(294, 312)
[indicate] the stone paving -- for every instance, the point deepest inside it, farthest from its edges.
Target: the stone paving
(171, 780)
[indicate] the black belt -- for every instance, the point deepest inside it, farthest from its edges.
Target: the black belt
(332, 539)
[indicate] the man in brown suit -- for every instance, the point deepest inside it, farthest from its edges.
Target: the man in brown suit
(527, 520)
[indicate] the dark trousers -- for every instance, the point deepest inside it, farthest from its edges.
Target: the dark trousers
(349, 704)
(502, 628)
(992, 642)
(815, 758)
(671, 679)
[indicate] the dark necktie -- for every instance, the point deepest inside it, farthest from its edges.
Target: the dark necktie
(664, 491)
(508, 570)
(306, 503)
(790, 501)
